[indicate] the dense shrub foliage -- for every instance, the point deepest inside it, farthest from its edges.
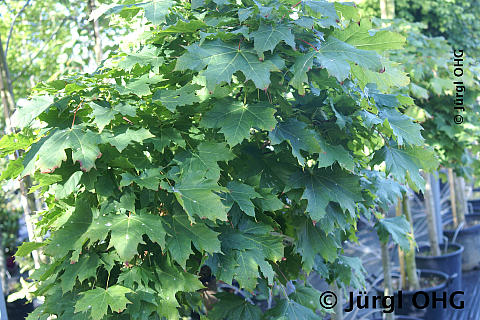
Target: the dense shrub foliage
(455, 20)
(235, 142)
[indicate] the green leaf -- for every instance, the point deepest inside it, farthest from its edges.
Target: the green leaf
(332, 154)
(28, 110)
(311, 240)
(268, 201)
(198, 196)
(171, 99)
(302, 65)
(223, 60)
(70, 186)
(244, 13)
(233, 307)
(405, 163)
(171, 280)
(182, 234)
(149, 179)
(155, 11)
(98, 300)
(27, 247)
(391, 78)
(165, 136)
(387, 190)
(148, 55)
(85, 268)
(335, 55)
(71, 236)
(350, 271)
(267, 37)
(358, 35)
(103, 114)
(126, 109)
(325, 185)
(184, 27)
(51, 151)
(120, 138)
(324, 10)
(307, 296)
(236, 119)
(348, 10)
(403, 127)
(290, 310)
(242, 195)
(138, 86)
(13, 169)
(335, 219)
(397, 227)
(418, 91)
(127, 231)
(246, 250)
(203, 162)
(13, 142)
(221, 2)
(298, 136)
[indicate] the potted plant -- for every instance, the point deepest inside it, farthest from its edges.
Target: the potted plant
(465, 228)
(429, 61)
(447, 258)
(411, 280)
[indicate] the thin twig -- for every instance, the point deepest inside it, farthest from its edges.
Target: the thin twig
(309, 44)
(13, 24)
(75, 113)
(296, 4)
(237, 291)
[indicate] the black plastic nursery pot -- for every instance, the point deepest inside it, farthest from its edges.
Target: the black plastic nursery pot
(421, 303)
(475, 204)
(449, 263)
(469, 238)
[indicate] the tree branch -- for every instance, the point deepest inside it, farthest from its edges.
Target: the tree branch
(13, 24)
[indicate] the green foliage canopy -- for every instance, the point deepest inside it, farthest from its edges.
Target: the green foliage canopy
(243, 136)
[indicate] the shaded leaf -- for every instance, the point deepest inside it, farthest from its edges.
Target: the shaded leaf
(325, 185)
(236, 119)
(182, 234)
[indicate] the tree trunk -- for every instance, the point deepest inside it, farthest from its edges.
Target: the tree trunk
(461, 202)
(411, 266)
(401, 253)
(3, 307)
(387, 276)
(96, 34)
(27, 200)
(387, 9)
(338, 309)
(431, 216)
(3, 268)
(453, 200)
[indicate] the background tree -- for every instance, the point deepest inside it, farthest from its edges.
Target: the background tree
(456, 20)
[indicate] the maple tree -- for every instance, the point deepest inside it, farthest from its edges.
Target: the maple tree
(243, 137)
(434, 93)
